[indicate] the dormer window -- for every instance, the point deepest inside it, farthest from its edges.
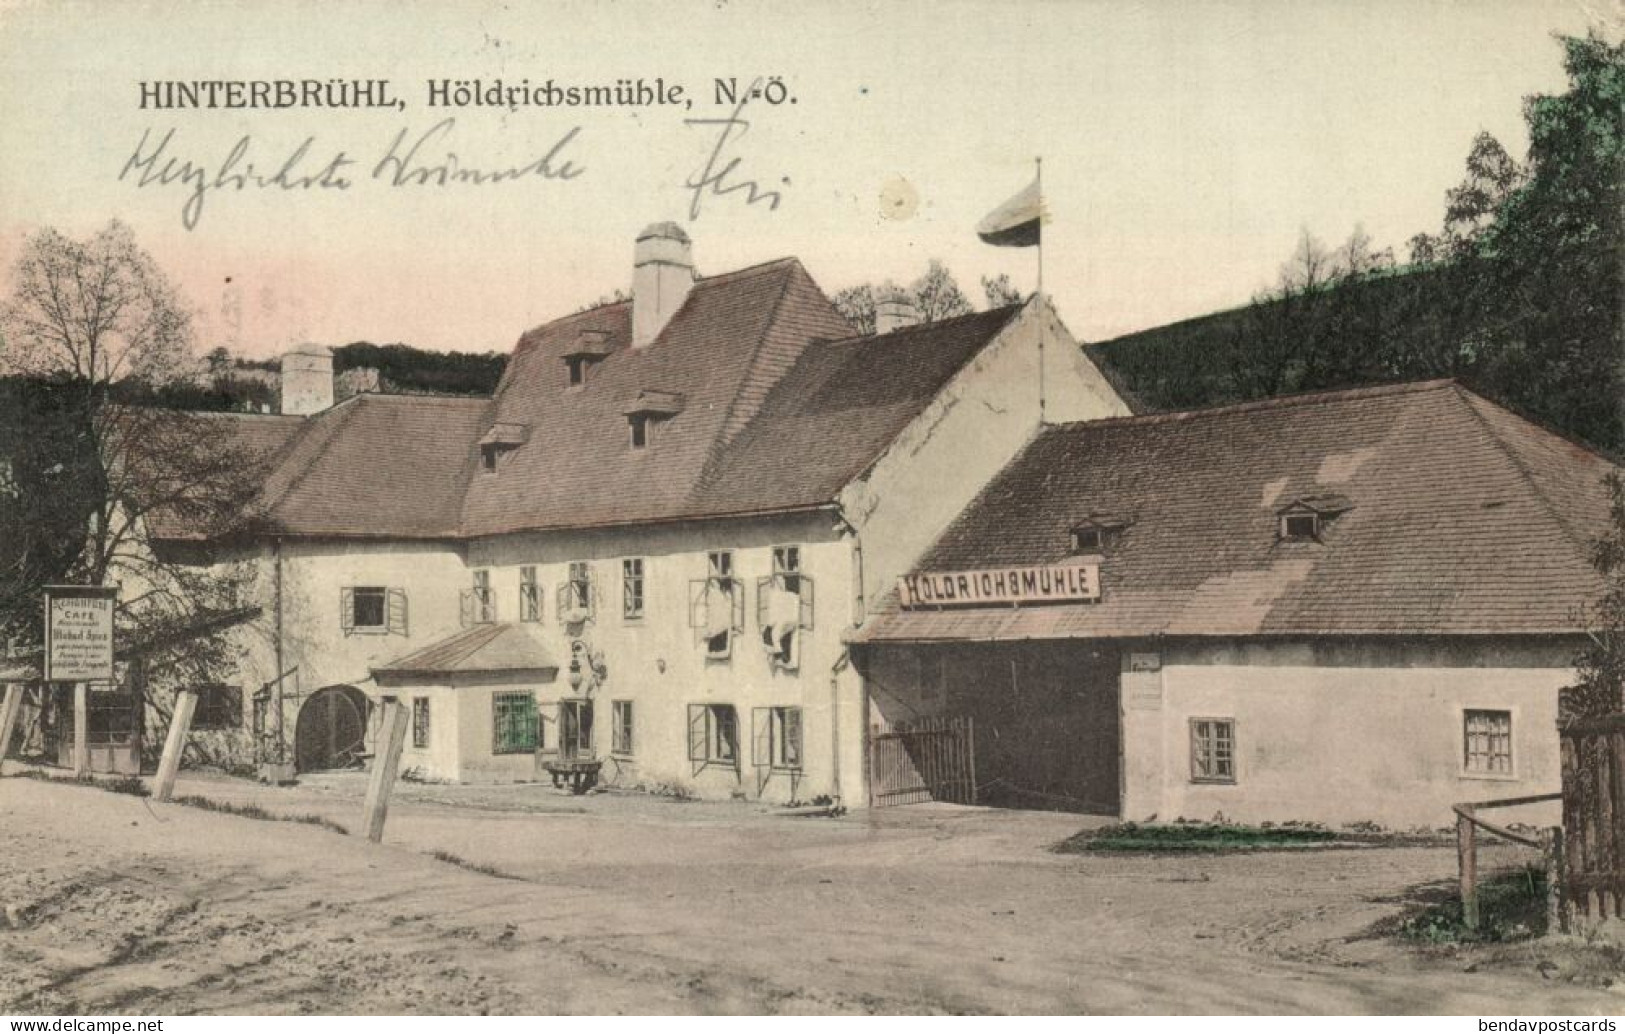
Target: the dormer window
(498, 442)
(1305, 519)
(1093, 534)
(647, 410)
(591, 347)
(1300, 525)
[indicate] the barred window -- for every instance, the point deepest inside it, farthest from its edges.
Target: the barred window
(1487, 747)
(513, 719)
(420, 722)
(1213, 750)
(218, 707)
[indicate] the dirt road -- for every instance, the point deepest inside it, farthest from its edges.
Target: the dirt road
(640, 905)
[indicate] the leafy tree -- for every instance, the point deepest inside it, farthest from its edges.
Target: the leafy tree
(936, 296)
(87, 321)
(999, 291)
(1600, 688)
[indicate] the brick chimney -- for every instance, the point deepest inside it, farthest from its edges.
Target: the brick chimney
(662, 275)
(307, 380)
(893, 311)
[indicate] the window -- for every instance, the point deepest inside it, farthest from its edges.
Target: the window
(218, 707)
(621, 733)
(577, 366)
(784, 607)
(479, 606)
(713, 735)
(488, 458)
(1087, 539)
(1487, 742)
(716, 606)
(632, 588)
(367, 606)
(575, 730)
(1213, 750)
(513, 723)
(642, 428)
(576, 596)
(777, 741)
(420, 722)
(1300, 525)
(372, 610)
(530, 595)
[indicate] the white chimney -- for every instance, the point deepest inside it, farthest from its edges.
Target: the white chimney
(307, 380)
(894, 310)
(662, 274)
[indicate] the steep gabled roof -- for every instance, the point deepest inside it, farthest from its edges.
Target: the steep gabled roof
(721, 353)
(1458, 517)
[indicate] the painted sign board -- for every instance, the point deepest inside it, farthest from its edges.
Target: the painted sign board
(79, 633)
(1050, 583)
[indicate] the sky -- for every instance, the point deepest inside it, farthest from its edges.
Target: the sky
(1185, 146)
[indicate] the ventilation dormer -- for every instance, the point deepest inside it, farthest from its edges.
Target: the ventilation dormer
(591, 348)
(1093, 535)
(649, 411)
(499, 441)
(1305, 518)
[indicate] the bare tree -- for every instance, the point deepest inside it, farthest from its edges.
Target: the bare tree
(999, 291)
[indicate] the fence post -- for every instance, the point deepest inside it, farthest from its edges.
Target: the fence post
(1467, 860)
(1551, 849)
(179, 722)
(9, 712)
(81, 729)
(386, 760)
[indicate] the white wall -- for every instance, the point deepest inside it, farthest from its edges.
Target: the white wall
(1343, 732)
(974, 427)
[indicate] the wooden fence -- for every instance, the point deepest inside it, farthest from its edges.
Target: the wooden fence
(1594, 816)
(931, 759)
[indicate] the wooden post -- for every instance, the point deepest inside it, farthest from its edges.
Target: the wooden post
(1551, 849)
(386, 760)
(81, 729)
(174, 745)
(1467, 859)
(9, 713)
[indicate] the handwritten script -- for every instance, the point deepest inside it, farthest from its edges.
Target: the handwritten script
(426, 159)
(715, 180)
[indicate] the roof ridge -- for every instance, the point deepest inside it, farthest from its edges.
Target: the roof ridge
(1275, 402)
(714, 448)
(754, 269)
(1582, 548)
(916, 328)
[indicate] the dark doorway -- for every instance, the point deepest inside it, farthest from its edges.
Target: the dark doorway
(331, 730)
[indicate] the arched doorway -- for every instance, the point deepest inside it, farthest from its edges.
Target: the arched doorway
(331, 730)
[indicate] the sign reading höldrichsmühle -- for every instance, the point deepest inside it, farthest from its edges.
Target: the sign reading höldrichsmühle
(1051, 583)
(79, 633)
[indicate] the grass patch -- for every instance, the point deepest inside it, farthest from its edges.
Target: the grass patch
(1511, 906)
(483, 870)
(254, 811)
(1194, 838)
(129, 784)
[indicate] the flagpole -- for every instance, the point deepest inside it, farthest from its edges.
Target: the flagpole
(1041, 325)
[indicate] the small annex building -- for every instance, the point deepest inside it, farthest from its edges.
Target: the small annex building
(1347, 607)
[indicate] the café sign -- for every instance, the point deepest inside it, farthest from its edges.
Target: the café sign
(1051, 583)
(79, 633)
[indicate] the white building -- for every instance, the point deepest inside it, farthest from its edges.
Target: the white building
(646, 551)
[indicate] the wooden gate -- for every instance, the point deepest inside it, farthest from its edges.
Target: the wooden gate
(1594, 815)
(931, 759)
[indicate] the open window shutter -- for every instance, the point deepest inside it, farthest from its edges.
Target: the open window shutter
(397, 612)
(547, 729)
(561, 602)
(696, 733)
(761, 727)
(592, 592)
(792, 737)
(696, 607)
(763, 586)
(806, 603)
(465, 614)
(347, 610)
(738, 598)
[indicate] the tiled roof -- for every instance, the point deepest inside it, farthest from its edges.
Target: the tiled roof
(500, 647)
(733, 338)
(257, 439)
(838, 408)
(377, 466)
(1462, 518)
